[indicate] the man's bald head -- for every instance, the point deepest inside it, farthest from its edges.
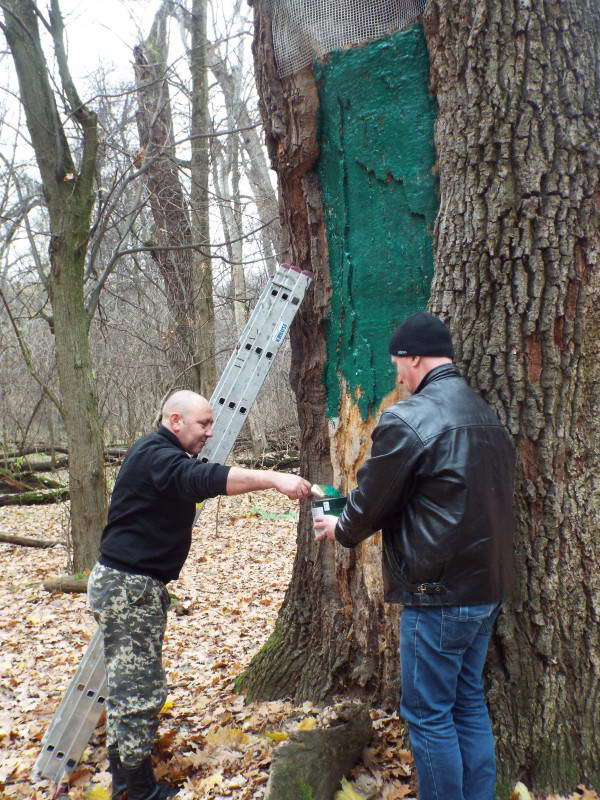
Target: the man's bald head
(189, 417)
(182, 402)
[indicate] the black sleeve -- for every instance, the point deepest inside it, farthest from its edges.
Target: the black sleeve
(382, 480)
(177, 475)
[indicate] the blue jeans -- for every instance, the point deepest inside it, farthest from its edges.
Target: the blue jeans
(442, 654)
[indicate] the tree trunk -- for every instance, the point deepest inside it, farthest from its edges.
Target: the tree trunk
(518, 135)
(170, 213)
(255, 164)
(516, 141)
(199, 199)
(69, 194)
(333, 634)
(87, 482)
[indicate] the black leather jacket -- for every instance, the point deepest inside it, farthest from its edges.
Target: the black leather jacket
(439, 484)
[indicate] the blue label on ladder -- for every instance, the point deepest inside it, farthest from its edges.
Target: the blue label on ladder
(281, 332)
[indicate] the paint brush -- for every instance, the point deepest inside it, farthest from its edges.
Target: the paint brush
(322, 490)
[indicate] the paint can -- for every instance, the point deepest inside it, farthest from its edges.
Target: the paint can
(327, 505)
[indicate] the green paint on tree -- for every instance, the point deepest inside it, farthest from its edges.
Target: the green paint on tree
(380, 197)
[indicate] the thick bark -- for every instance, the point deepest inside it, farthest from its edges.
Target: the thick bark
(518, 137)
(69, 195)
(516, 247)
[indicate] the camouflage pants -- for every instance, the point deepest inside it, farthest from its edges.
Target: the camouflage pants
(131, 611)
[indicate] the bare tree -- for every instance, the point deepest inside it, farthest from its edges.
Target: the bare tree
(68, 185)
(172, 226)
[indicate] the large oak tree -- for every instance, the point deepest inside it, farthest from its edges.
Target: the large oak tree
(515, 246)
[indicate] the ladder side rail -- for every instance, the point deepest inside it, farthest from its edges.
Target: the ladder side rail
(56, 751)
(259, 370)
(270, 339)
(248, 332)
(253, 329)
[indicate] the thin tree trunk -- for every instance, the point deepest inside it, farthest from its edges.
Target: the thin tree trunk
(199, 199)
(255, 164)
(172, 227)
(69, 195)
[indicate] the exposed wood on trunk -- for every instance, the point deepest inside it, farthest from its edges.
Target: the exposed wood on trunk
(331, 635)
(517, 278)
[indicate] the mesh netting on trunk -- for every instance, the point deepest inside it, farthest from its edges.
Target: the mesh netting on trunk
(307, 29)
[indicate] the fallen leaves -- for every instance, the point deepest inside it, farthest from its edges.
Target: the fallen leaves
(210, 743)
(348, 792)
(226, 737)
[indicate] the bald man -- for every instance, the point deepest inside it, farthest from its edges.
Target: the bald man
(144, 545)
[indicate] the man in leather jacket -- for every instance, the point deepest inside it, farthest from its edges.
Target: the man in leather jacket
(439, 484)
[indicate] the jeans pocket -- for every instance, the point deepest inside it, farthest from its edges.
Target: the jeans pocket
(461, 624)
(469, 613)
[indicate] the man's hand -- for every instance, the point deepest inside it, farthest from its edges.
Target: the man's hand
(293, 486)
(325, 527)
(242, 480)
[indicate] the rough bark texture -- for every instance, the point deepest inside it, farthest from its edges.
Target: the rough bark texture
(69, 195)
(312, 765)
(517, 278)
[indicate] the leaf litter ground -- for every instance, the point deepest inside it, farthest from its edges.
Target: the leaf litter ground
(210, 742)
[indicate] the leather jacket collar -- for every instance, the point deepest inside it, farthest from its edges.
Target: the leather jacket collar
(437, 373)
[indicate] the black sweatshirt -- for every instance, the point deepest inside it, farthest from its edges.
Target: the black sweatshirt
(151, 514)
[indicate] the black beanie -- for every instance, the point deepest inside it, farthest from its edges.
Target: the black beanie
(422, 335)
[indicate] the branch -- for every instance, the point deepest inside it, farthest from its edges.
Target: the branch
(26, 353)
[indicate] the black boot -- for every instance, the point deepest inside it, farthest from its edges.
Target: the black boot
(142, 785)
(119, 786)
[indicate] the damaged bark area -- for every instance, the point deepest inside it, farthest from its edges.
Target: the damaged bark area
(331, 636)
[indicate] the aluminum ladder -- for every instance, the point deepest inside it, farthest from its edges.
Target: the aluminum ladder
(245, 372)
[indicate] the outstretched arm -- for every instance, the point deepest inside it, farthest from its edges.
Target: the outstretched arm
(242, 480)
